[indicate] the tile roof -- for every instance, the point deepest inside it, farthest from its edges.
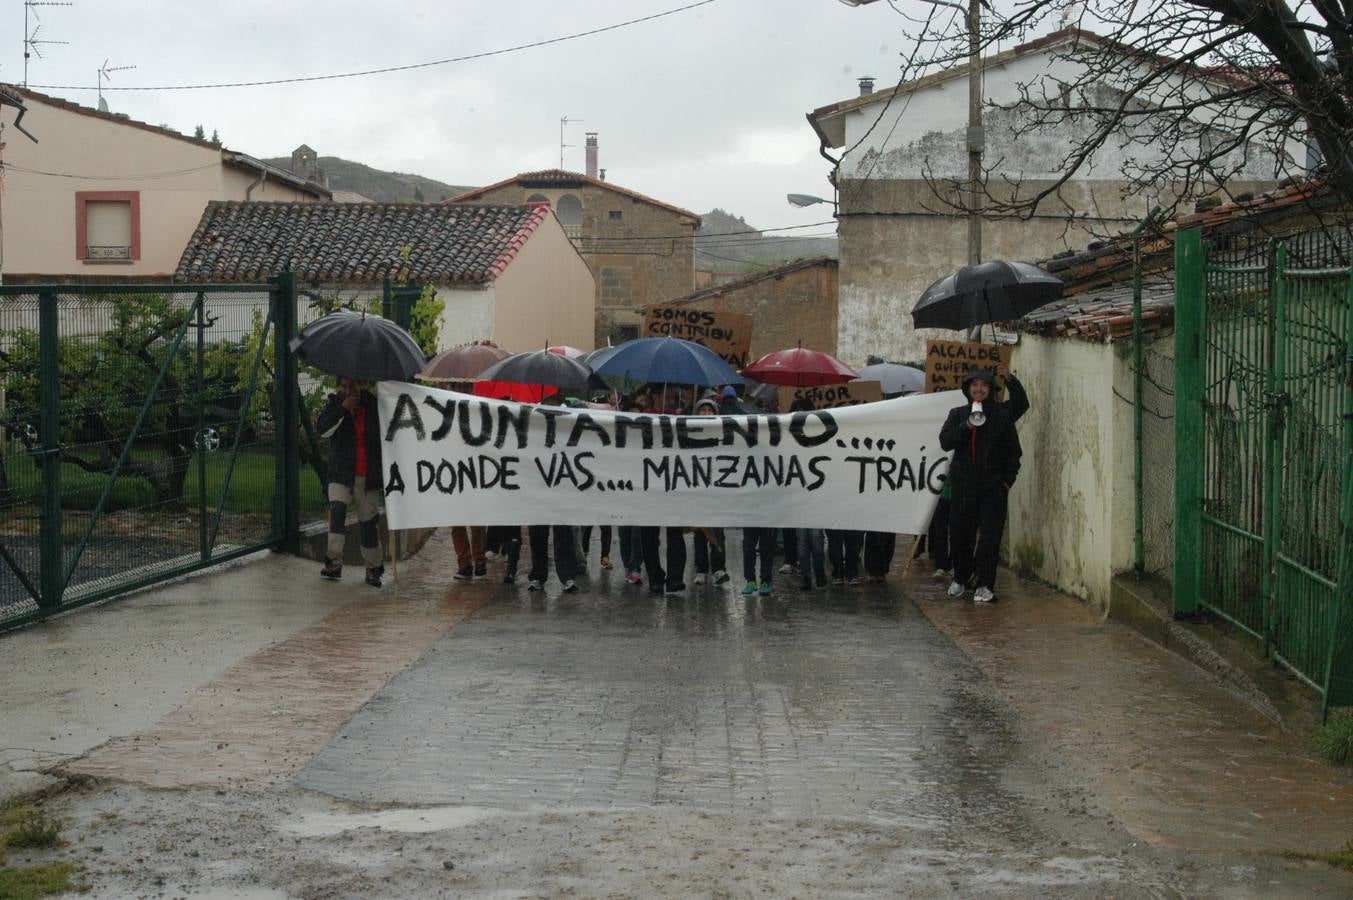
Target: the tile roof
(560, 178)
(1098, 292)
(730, 286)
(357, 243)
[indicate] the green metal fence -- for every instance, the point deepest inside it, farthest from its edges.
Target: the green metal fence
(143, 434)
(1264, 345)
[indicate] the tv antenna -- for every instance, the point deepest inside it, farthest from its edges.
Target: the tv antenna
(31, 40)
(105, 74)
(562, 122)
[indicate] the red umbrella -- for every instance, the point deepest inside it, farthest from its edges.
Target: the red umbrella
(566, 350)
(800, 368)
(463, 363)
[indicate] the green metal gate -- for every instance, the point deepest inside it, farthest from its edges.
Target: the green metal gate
(145, 431)
(1264, 345)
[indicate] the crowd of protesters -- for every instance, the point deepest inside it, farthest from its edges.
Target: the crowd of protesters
(963, 539)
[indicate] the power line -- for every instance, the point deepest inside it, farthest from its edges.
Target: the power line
(389, 69)
(144, 176)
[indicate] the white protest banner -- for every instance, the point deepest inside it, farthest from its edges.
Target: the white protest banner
(454, 459)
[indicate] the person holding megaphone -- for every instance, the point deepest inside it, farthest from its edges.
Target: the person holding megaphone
(986, 456)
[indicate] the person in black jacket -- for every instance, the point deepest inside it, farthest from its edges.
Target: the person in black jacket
(937, 536)
(349, 421)
(983, 469)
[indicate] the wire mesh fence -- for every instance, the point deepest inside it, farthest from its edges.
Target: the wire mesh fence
(154, 450)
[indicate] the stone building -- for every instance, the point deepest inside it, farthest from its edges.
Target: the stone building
(640, 250)
(788, 304)
(903, 145)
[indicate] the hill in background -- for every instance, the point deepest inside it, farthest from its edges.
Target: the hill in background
(389, 187)
(726, 243)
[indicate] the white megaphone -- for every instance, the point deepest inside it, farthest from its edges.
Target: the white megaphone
(976, 417)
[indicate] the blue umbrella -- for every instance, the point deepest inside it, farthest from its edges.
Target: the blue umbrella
(665, 360)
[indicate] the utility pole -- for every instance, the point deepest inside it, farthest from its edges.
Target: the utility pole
(976, 136)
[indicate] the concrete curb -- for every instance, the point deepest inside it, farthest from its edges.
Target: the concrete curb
(1218, 648)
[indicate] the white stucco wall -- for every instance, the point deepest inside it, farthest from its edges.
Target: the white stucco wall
(547, 294)
(469, 314)
(1071, 513)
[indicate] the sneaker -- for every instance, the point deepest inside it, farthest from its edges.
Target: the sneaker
(533, 585)
(634, 577)
(721, 577)
(606, 562)
(655, 589)
(676, 588)
(481, 570)
(490, 556)
(786, 568)
(749, 588)
(464, 573)
(699, 578)
(943, 575)
(857, 580)
(955, 589)
(839, 582)
(333, 568)
(373, 575)
(570, 587)
(765, 589)
(983, 595)
(510, 578)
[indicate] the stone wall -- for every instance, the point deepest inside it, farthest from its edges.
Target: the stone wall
(639, 253)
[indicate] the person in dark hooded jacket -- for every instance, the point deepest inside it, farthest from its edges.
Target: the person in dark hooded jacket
(983, 469)
(349, 420)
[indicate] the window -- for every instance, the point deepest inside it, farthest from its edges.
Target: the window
(107, 226)
(537, 198)
(616, 215)
(627, 333)
(570, 210)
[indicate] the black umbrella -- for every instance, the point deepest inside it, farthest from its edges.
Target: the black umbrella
(544, 368)
(361, 346)
(995, 291)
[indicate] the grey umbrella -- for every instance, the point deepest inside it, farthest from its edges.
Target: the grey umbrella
(894, 378)
(359, 345)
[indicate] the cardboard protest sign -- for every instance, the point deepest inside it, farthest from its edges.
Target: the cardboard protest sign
(829, 396)
(727, 334)
(946, 362)
(456, 459)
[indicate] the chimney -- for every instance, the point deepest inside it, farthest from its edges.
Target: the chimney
(591, 154)
(866, 85)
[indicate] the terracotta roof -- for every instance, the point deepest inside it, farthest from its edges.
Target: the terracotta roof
(357, 243)
(730, 286)
(1105, 313)
(228, 157)
(559, 178)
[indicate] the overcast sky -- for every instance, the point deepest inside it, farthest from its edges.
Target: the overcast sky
(701, 108)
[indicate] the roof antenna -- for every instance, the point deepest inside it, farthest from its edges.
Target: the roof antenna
(31, 41)
(562, 122)
(105, 74)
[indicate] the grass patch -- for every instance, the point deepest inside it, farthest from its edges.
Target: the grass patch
(38, 881)
(1341, 859)
(24, 825)
(1334, 739)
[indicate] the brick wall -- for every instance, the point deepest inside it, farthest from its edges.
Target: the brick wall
(793, 303)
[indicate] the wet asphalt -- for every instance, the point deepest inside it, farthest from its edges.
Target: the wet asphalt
(862, 740)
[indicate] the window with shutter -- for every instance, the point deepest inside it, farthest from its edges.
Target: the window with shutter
(107, 226)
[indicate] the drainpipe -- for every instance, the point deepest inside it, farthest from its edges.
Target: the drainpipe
(1139, 535)
(248, 192)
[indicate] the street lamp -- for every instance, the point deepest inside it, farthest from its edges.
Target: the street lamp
(976, 137)
(802, 200)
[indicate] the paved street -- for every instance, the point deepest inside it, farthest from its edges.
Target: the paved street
(275, 735)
